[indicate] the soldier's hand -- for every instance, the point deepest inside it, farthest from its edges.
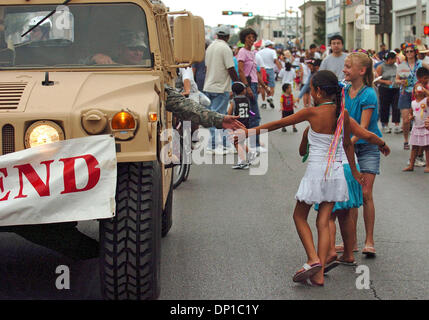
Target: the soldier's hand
(231, 122)
(100, 58)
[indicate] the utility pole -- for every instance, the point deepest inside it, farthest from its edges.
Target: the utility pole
(305, 28)
(427, 18)
(285, 35)
(419, 19)
(344, 23)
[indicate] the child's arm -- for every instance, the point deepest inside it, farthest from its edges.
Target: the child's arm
(230, 108)
(350, 150)
(372, 138)
(301, 116)
(304, 143)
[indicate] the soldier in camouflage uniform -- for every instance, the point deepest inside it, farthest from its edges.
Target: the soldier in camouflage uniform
(186, 109)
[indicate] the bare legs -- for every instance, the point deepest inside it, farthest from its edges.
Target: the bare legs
(406, 123)
(300, 217)
(368, 209)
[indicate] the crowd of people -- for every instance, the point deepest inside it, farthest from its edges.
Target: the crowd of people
(345, 95)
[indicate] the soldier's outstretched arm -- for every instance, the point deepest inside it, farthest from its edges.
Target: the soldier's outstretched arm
(187, 109)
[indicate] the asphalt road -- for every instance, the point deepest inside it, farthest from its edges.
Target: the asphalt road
(233, 237)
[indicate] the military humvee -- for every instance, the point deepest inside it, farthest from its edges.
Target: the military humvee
(53, 76)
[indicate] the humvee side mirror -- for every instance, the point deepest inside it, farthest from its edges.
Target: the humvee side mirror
(189, 39)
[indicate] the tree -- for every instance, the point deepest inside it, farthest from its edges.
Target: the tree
(320, 18)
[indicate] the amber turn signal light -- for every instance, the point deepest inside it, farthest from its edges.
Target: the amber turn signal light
(153, 116)
(123, 121)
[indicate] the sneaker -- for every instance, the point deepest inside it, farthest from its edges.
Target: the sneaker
(284, 130)
(420, 162)
(229, 150)
(270, 101)
(262, 150)
(406, 146)
(251, 157)
(397, 130)
(210, 150)
(241, 166)
(387, 130)
(264, 106)
(295, 130)
(220, 151)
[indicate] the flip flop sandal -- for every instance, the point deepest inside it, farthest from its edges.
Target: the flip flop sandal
(346, 263)
(309, 271)
(369, 251)
(340, 249)
(330, 266)
(314, 283)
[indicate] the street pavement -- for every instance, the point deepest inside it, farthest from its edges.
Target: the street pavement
(233, 237)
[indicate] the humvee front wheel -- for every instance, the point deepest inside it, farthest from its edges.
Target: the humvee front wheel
(130, 242)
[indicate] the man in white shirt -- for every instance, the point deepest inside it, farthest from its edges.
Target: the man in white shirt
(269, 60)
(220, 71)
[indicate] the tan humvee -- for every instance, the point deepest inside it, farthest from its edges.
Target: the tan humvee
(99, 67)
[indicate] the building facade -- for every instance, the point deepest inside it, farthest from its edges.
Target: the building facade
(404, 21)
(333, 19)
(278, 29)
(309, 23)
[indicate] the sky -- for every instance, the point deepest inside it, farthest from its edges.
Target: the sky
(211, 10)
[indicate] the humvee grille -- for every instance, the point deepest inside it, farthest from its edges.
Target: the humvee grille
(8, 139)
(10, 94)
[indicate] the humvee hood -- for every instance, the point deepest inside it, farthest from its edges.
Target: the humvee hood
(71, 91)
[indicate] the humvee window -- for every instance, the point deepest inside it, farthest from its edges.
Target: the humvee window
(76, 36)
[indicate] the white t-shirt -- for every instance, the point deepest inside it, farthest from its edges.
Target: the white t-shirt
(268, 57)
(287, 76)
(219, 59)
(259, 61)
(317, 55)
(306, 73)
(188, 74)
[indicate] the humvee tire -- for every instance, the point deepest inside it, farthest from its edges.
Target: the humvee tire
(167, 214)
(130, 243)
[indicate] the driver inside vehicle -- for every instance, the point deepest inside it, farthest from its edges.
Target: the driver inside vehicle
(41, 32)
(132, 50)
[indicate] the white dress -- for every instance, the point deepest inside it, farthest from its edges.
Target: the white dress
(314, 188)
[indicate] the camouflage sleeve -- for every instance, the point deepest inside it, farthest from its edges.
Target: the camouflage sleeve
(186, 109)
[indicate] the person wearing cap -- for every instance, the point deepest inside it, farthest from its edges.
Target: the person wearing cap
(323, 52)
(388, 92)
(132, 50)
(217, 84)
(269, 61)
(313, 52)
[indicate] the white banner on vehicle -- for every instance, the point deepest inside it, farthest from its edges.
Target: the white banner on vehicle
(71, 180)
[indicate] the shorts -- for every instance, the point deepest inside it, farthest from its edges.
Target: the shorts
(271, 78)
(368, 158)
(404, 101)
(287, 113)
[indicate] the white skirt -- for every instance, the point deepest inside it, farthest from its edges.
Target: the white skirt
(315, 189)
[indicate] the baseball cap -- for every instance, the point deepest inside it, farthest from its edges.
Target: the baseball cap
(322, 47)
(223, 30)
(268, 43)
(132, 39)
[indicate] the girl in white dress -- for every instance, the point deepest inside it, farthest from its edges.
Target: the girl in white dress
(324, 180)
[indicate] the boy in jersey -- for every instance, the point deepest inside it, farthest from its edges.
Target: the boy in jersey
(287, 103)
(240, 106)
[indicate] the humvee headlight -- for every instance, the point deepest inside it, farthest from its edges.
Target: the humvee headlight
(123, 121)
(43, 132)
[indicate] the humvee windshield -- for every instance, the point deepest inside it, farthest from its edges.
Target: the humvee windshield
(76, 36)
